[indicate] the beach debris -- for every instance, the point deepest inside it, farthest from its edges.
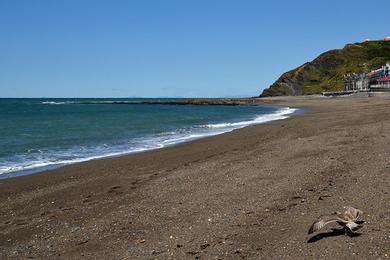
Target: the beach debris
(193, 252)
(114, 189)
(247, 212)
(75, 229)
(296, 197)
(349, 220)
(82, 242)
(323, 196)
(204, 246)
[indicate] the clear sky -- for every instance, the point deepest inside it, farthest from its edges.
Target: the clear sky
(188, 48)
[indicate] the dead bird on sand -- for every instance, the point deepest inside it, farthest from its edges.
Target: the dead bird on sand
(349, 220)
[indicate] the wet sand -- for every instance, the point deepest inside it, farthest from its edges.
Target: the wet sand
(251, 193)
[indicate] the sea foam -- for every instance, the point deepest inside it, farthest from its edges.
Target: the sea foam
(281, 113)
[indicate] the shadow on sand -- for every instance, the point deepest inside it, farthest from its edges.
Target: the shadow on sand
(334, 233)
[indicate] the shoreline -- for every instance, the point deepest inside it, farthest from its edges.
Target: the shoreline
(56, 165)
(250, 193)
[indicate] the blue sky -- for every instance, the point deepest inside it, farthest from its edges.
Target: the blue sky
(188, 48)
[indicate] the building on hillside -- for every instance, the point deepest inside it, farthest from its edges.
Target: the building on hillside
(376, 80)
(384, 83)
(369, 40)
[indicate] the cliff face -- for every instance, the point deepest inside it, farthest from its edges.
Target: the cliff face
(325, 73)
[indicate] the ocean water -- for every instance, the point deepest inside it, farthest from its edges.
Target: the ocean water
(37, 134)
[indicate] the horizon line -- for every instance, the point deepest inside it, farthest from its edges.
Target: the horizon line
(238, 96)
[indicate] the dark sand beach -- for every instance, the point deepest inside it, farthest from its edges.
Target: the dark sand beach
(248, 194)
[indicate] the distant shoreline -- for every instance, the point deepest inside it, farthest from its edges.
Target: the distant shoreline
(151, 101)
(172, 101)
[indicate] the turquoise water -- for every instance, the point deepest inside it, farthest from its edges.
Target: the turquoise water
(40, 133)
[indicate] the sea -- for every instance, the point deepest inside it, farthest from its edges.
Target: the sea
(41, 134)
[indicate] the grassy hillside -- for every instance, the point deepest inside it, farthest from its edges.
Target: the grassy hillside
(325, 73)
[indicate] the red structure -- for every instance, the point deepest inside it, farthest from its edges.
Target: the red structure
(384, 81)
(387, 39)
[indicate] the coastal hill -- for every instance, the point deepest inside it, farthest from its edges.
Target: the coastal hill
(325, 73)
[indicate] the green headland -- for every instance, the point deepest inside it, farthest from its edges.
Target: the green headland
(325, 73)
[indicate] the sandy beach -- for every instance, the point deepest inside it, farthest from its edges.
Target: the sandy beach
(248, 194)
